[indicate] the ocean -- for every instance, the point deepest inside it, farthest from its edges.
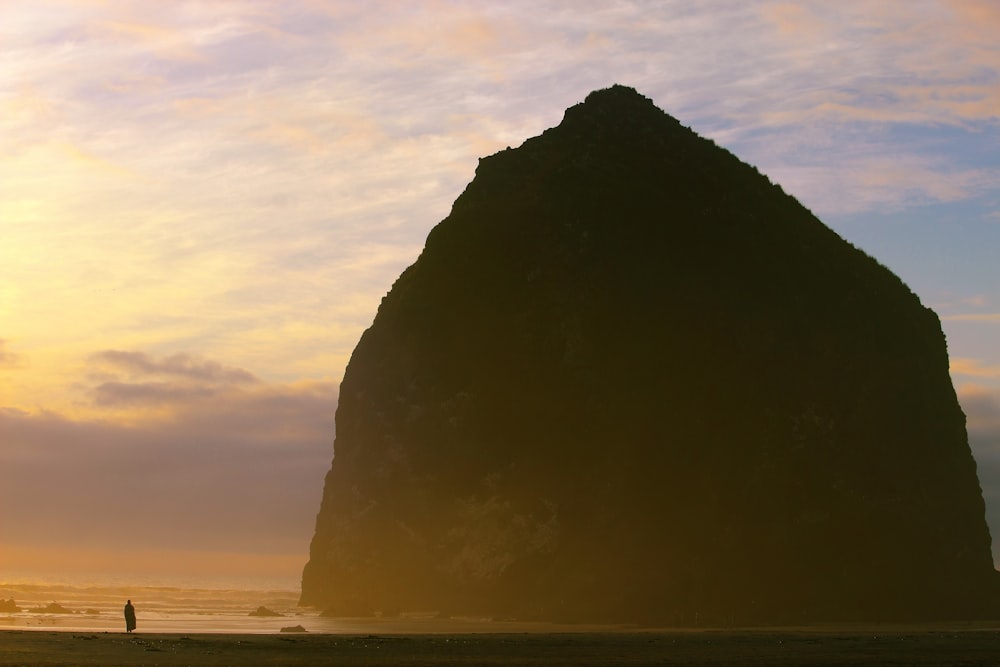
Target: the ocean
(210, 606)
(97, 606)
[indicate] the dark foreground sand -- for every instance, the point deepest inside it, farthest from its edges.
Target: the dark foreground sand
(756, 647)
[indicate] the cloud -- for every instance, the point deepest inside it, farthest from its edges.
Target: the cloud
(93, 163)
(164, 42)
(974, 317)
(238, 467)
(863, 183)
(110, 394)
(335, 130)
(179, 365)
(9, 359)
(167, 382)
(799, 23)
(974, 367)
(852, 104)
(976, 26)
(929, 60)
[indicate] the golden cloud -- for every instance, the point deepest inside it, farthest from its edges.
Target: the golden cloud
(973, 367)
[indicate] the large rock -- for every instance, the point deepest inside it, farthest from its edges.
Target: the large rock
(629, 378)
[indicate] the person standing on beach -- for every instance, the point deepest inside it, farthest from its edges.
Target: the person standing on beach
(129, 617)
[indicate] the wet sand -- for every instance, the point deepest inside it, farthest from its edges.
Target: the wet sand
(976, 646)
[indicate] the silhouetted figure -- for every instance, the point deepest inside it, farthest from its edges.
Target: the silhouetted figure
(129, 617)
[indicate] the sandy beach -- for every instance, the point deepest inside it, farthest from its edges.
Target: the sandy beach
(752, 647)
(186, 625)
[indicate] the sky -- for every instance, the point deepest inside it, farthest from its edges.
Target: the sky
(203, 203)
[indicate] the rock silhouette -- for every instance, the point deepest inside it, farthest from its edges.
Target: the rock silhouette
(630, 379)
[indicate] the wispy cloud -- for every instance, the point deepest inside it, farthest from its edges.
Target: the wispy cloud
(973, 317)
(9, 358)
(128, 380)
(974, 367)
(155, 38)
(128, 394)
(180, 365)
(859, 183)
(910, 60)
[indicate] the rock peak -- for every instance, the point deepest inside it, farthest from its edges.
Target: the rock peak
(630, 379)
(617, 108)
(618, 97)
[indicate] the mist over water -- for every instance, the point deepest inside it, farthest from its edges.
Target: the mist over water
(194, 605)
(200, 605)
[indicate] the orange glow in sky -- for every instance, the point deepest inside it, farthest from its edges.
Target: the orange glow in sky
(202, 204)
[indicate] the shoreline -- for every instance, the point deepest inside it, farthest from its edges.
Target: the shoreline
(871, 645)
